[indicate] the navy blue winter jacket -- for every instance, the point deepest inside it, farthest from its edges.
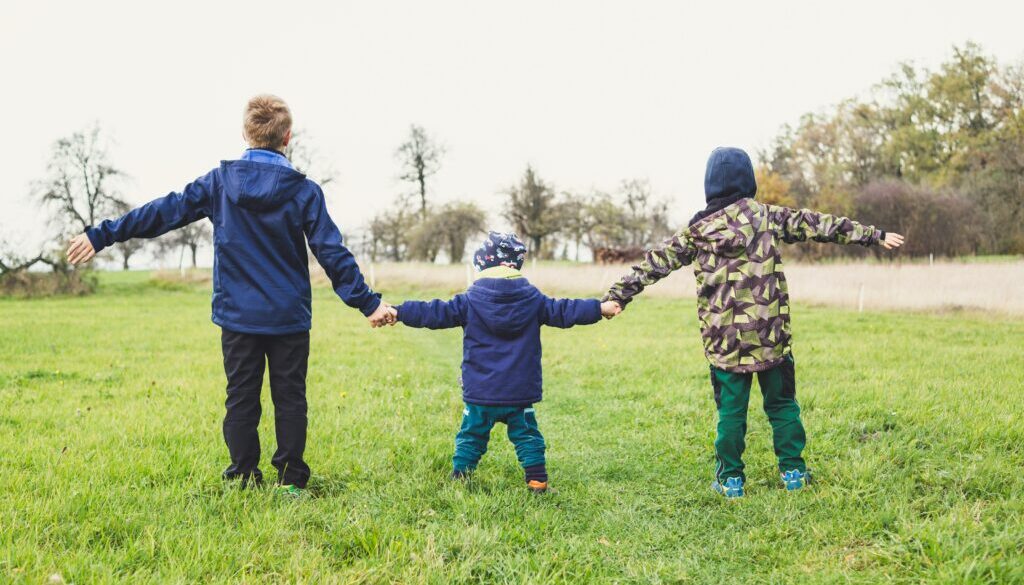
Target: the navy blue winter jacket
(262, 216)
(501, 321)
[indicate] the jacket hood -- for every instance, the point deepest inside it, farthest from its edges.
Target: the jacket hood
(729, 175)
(260, 186)
(505, 306)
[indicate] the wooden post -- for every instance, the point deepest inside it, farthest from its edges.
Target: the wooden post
(931, 259)
(860, 299)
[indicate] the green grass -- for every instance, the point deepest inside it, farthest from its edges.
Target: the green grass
(111, 452)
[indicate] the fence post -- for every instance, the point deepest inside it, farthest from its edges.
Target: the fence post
(860, 299)
(931, 259)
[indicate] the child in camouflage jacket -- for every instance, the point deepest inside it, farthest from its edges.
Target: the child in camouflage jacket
(743, 305)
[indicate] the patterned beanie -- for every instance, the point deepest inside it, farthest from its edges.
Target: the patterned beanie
(500, 250)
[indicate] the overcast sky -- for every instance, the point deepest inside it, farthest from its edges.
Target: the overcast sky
(588, 92)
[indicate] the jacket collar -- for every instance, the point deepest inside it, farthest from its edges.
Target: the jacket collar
(266, 155)
(506, 272)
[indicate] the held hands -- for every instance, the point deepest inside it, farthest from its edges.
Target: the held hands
(384, 315)
(891, 241)
(80, 250)
(610, 309)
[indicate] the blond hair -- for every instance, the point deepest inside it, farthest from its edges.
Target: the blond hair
(266, 122)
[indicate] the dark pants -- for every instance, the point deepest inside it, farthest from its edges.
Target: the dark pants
(732, 393)
(245, 357)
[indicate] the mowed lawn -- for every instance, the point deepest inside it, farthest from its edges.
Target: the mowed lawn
(111, 453)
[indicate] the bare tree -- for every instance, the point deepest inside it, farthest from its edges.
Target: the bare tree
(421, 158)
(79, 183)
(646, 220)
(11, 262)
(533, 211)
(308, 159)
(131, 247)
(190, 237)
(389, 233)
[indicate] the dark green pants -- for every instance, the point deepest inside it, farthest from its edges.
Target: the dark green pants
(732, 394)
(477, 422)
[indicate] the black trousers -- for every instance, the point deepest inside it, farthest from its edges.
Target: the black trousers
(245, 358)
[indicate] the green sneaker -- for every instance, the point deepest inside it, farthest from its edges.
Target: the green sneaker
(291, 492)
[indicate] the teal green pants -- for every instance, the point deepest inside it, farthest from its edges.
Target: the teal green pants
(732, 394)
(477, 422)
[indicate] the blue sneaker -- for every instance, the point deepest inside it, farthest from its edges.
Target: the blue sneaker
(794, 480)
(733, 487)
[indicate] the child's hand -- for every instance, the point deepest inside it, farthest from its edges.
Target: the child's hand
(80, 249)
(610, 309)
(892, 241)
(384, 315)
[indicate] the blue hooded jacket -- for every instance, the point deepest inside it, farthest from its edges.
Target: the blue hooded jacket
(501, 351)
(263, 213)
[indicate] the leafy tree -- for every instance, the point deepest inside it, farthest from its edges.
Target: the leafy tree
(457, 222)
(955, 130)
(533, 211)
(772, 188)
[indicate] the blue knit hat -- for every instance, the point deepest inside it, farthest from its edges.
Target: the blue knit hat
(500, 250)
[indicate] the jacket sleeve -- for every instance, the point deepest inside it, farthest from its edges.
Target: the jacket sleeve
(436, 314)
(338, 262)
(159, 216)
(799, 225)
(676, 252)
(565, 313)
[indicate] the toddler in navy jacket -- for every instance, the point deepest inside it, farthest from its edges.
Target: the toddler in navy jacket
(501, 315)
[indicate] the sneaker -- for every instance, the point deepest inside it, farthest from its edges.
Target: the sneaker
(290, 492)
(537, 487)
(794, 480)
(733, 487)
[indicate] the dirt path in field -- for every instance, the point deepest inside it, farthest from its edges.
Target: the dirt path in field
(987, 286)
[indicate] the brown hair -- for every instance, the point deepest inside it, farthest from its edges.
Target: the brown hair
(266, 122)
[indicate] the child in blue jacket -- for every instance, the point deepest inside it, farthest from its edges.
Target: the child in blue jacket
(501, 315)
(263, 213)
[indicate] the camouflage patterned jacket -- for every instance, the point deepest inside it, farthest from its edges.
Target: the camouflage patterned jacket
(742, 299)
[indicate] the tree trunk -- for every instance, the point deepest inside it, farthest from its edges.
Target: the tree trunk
(193, 248)
(423, 194)
(124, 264)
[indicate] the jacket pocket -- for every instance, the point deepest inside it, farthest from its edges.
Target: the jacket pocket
(788, 372)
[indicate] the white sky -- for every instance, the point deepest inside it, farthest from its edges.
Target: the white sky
(588, 92)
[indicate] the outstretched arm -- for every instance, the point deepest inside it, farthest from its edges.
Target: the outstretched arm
(338, 262)
(153, 219)
(565, 313)
(800, 225)
(436, 314)
(676, 252)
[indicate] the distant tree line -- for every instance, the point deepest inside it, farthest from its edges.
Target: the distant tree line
(553, 224)
(937, 155)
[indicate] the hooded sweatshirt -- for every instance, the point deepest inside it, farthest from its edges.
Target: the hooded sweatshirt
(501, 320)
(742, 296)
(263, 214)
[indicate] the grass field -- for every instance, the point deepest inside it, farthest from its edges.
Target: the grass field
(110, 454)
